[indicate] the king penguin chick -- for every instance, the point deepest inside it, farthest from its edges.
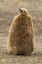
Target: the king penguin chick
(21, 37)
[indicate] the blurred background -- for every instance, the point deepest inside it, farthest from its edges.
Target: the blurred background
(8, 10)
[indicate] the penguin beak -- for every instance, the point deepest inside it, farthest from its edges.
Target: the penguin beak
(20, 10)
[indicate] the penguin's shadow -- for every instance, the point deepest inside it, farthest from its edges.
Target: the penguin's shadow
(34, 54)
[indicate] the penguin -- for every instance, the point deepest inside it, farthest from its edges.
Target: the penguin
(21, 34)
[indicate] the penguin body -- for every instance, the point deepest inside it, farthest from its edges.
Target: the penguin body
(21, 37)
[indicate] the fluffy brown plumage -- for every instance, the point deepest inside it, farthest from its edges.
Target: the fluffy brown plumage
(21, 37)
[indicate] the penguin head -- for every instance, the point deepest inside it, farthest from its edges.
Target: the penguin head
(23, 11)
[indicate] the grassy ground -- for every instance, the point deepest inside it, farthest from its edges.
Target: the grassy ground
(8, 10)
